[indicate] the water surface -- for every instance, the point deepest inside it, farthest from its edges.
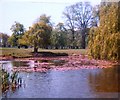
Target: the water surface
(82, 83)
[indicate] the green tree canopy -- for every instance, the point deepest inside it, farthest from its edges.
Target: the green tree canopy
(59, 36)
(3, 39)
(38, 35)
(17, 32)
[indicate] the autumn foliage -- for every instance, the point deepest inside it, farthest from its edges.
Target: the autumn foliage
(104, 41)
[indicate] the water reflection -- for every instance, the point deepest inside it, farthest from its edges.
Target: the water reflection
(106, 80)
(7, 65)
(83, 83)
(20, 63)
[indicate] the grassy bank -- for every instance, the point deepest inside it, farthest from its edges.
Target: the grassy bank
(27, 52)
(15, 52)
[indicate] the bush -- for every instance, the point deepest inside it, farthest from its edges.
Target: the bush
(104, 41)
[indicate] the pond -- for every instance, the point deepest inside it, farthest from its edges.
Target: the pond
(78, 83)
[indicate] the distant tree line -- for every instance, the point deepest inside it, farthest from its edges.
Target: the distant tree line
(4, 40)
(73, 33)
(97, 28)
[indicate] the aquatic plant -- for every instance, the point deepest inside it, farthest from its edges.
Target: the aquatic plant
(10, 81)
(5, 80)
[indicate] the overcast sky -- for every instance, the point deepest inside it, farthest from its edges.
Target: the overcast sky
(27, 11)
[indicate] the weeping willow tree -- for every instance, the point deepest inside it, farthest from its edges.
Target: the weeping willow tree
(104, 41)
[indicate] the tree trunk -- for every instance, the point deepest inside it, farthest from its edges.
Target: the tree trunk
(35, 48)
(73, 39)
(83, 45)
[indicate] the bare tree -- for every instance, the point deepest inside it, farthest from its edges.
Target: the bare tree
(70, 21)
(83, 19)
(80, 16)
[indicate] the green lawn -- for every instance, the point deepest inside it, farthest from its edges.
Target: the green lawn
(27, 52)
